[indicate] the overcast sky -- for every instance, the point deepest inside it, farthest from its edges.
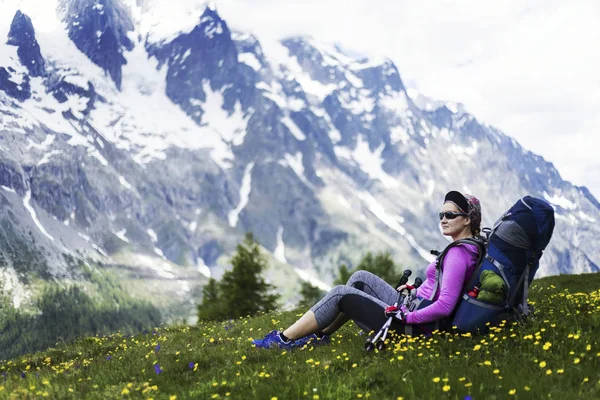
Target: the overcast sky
(530, 68)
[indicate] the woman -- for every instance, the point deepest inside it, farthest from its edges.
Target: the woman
(365, 297)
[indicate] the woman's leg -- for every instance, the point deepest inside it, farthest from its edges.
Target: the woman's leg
(368, 313)
(373, 285)
(306, 325)
(362, 281)
(370, 284)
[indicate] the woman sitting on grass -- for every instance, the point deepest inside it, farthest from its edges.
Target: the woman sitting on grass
(365, 297)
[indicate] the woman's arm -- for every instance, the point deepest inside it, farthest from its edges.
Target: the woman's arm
(456, 264)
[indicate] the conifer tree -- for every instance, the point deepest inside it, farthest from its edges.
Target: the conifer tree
(243, 289)
(381, 265)
(344, 274)
(210, 308)
(310, 295)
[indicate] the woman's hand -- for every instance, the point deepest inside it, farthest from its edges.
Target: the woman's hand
(401, 288)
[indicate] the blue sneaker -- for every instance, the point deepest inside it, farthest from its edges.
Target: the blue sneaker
(274, 340)
(314, 340)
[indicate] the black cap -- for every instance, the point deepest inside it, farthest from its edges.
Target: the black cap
(458, 199)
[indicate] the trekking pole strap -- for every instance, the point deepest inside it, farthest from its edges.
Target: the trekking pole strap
(438, 280)
(477, 271)
(525, 290)
(519, 283)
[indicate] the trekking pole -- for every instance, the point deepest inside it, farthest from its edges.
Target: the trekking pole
(392, 311)
(370, 344)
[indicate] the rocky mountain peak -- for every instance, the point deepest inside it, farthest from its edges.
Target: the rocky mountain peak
(22, 35)
(99, 29)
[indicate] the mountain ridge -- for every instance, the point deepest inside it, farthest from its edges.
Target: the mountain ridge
(198, 139)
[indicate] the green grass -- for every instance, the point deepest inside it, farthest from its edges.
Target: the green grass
(555, 355)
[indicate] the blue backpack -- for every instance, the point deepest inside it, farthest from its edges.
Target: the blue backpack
(509, 258)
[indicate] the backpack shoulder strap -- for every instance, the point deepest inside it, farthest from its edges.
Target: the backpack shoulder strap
(478, 241)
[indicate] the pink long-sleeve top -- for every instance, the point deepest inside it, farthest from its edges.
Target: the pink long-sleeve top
(459, 264)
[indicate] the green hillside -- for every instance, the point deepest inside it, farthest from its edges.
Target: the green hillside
(555, 355)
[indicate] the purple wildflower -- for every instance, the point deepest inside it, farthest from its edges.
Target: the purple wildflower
(22, 374)
(108, 358)
(157, 369)
(191, 365)
(468, 397)
(157, 348)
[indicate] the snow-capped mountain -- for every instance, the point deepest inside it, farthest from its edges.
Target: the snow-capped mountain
(154, 150)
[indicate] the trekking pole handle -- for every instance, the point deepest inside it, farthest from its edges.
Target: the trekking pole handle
(404, 278)
(415, 286)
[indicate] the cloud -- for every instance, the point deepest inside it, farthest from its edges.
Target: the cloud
(527, 67)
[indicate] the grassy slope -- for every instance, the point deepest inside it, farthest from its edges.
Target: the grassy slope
(557, 355)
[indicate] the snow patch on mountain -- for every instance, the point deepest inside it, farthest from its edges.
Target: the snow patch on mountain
(395, 102)
(393, 222)
(274, 91)
(291, 125)
(295, 71)
(358, 103)
(47, 156)
(40, 146)
(157, 122)
(202, 267)
(245, 189)
(560, 201)
(399, 134)
(12, 286)
(152, 235)
(231, 127)
(250, 60)
(295, 163)
(369, 162)
(121, 235)
(161, 21)
(307, 277)
(10, 190)
(126, 184)
(334, 134)
(464, 152)
(32, 213)
(585, 217)
(279, 251)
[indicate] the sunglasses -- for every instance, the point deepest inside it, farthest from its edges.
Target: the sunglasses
(451, 215)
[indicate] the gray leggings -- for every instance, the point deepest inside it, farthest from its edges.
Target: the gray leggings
(363, 299)
(363, 284)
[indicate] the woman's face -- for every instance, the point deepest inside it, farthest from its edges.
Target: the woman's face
(453, 227)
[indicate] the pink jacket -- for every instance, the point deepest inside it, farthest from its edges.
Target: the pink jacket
(459, 264)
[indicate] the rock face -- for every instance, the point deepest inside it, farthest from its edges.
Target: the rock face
(158, 169)
(22, 35)
(99, 29)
